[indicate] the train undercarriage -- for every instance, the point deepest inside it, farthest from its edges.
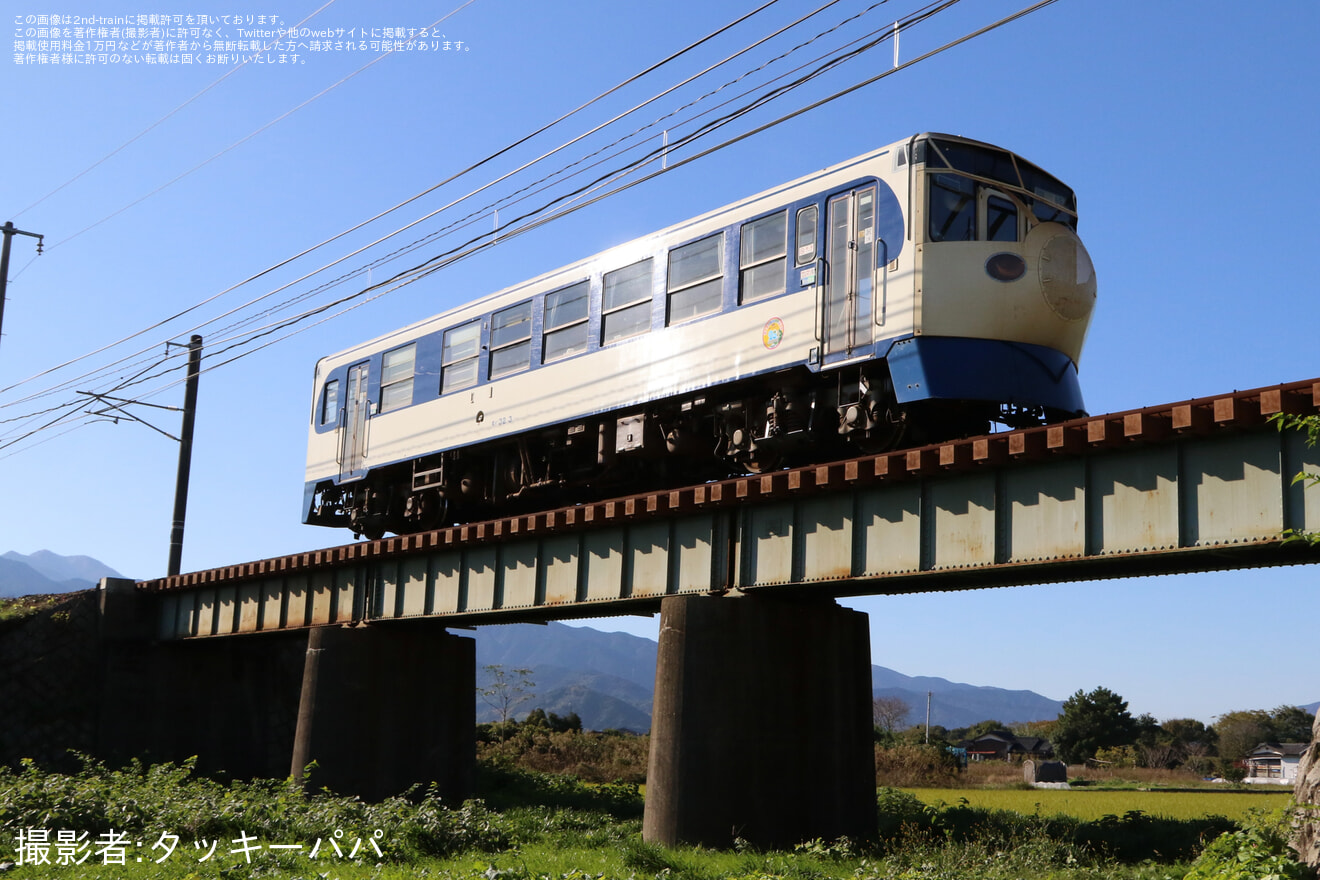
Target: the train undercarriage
(796, 418)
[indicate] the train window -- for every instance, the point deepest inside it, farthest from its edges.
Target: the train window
(980, 161)
(1001, 219)
(458, 363)
(696, 278)
(952, 208)
(510, 340)
(764, 248)
(1046, 213)
(806, 234)
(565, 322)
(396, 377)
(330, 402)
(626, 302)
(1044, 186)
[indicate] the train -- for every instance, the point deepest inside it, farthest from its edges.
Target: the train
(930, 289)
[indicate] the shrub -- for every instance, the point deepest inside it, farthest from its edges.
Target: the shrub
(588, 755)
(901, 817)
(146, 799)
(1259, 851)
(504, 784)
(916, 766)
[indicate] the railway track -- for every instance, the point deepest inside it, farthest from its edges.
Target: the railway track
(1233, 412)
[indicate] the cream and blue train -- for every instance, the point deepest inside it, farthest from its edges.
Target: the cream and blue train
(916, 293)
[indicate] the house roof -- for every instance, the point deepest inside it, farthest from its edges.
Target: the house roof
(999, 741)
(1279, 750)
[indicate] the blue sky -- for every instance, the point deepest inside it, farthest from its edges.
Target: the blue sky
(1188, 131)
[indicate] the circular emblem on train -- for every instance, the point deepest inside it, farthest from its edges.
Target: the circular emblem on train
(773, 334)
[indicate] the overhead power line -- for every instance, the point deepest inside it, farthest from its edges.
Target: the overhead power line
(531, 220)
(153, 126)
(469, 169)
(250, 135)
(507, 200)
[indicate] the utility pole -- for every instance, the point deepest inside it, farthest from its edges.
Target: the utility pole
(185, 454)
(928, 717)
(9, 233)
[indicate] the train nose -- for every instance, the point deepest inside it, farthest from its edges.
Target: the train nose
(1064, 271)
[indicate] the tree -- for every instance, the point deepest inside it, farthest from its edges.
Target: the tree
(570, 723)
(889, 713)
(1145, 730)
(1091, 722)
(1240, 732)
(508, 689)
(1291, 724)
(918, 735)
(1042, 729)
(1189, 743)
(1310, 425)
(1183, 732)
(980, 728)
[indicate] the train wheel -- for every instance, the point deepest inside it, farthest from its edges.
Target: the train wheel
(891, 427)
(761, 463)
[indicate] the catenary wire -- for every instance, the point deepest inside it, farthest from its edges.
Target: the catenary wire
(238, 143)
(489, 158)
(483, 212)
(506, 233)
(144, 132)
(534, 187)
(379, 260)
(509, 230)
(911, 20)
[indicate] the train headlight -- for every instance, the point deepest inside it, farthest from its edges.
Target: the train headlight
(1066, 274)
(1005, 267)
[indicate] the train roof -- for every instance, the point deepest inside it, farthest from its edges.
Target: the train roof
(622, 254)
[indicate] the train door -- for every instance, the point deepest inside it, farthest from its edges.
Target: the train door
(850, 276)
(353, 426)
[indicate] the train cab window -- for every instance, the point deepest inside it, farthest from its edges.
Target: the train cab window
(330, 402)
(1051, 201)
(806, 234)
(565, 322)
(458, 363)
(510, 340)
(696, 279)
(626, 302)
(764, 249)
(952, 208)
(1001, 219)
(1047, 213)
(396, 377)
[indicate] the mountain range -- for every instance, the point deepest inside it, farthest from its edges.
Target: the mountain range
(608, 680)
(47, 572)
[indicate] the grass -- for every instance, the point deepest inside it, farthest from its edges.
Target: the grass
(1094, 804)
(25, 606)
(536, 826)
(1002, 774)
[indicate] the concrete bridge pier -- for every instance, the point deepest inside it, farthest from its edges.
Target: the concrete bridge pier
(384, 707)
(377, 707)
(761, 727)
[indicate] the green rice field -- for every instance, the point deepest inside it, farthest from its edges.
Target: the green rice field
(1093, 804)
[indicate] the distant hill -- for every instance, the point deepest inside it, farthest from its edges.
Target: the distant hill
(65, 568)
(47, 572)
(608, 679)
(961, 705)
